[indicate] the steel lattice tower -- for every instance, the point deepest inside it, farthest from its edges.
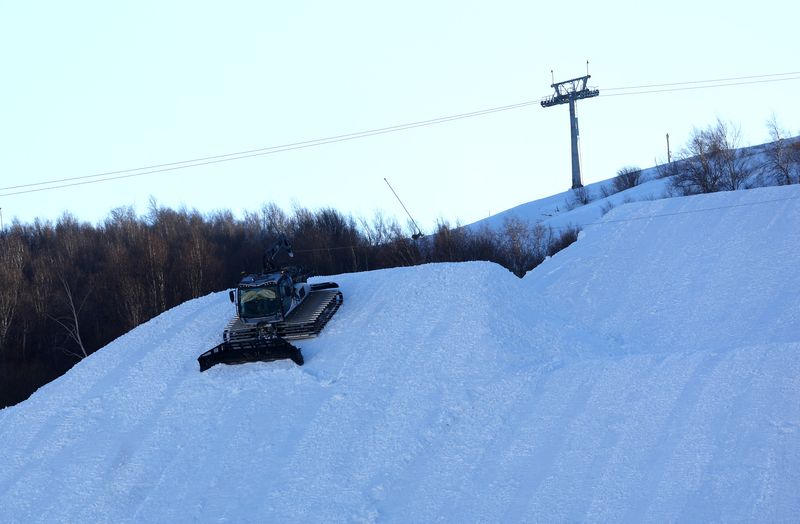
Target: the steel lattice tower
(567, 92)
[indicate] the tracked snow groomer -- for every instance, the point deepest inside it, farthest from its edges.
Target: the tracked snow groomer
(273, 307)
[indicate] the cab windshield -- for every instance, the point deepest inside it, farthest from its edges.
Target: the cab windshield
(259, 301)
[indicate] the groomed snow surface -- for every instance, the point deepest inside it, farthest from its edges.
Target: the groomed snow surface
(648, 373)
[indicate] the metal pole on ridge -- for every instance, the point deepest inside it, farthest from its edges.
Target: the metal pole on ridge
(416, 235)
(568, 92)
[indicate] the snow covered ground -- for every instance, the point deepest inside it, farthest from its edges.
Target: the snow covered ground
(562, 210)
(650, 372)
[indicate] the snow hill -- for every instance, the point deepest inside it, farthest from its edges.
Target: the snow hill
(648, 373)
(562, 211)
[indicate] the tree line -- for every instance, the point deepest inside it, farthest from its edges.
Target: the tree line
(68, 288)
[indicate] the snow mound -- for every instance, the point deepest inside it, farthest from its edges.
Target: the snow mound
(650, 372)
(696, 273)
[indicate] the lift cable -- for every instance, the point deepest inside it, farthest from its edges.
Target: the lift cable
(716, 80)
(228, 157)
(688, 88)
(172, 166)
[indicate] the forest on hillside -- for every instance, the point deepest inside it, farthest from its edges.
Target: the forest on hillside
(69, 288)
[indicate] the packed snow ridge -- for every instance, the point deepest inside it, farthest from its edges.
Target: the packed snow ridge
(648, 373)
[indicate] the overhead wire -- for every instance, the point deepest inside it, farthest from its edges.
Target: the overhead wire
(107, 176)
(637, 91)
(290, 146)
(172, 166)
(729, 79)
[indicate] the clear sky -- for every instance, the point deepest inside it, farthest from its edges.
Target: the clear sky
(93, 87)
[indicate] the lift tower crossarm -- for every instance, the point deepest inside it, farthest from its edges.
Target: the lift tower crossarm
(574, 89)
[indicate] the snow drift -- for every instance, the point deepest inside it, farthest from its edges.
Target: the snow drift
(650, 372)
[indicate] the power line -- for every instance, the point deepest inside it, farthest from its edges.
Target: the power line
(696, 87)
(172, 166)
(229, 157)
(730, 79)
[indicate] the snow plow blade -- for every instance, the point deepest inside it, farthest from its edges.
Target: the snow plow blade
(257, 350)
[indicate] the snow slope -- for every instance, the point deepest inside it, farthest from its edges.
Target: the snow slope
(648, 373)
(561, 210)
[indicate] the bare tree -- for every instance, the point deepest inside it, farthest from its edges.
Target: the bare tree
(126, 286)
(666, 170)
(735, 165)
(13, 254)
(627, 177)
(450, 244)
(195, 256)
(378, 231)
(712, 161)
(516, 243)
(524, 246)
(579, 197)
(71, 323)
(782, 156)
(567, 236)
(156, 254)
(404, 250)
(272, 221)
(607, 206)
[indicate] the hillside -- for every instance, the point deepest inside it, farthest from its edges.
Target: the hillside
(650, 372)
(563, 210)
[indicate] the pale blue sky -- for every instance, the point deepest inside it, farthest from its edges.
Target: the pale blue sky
(91, 87)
